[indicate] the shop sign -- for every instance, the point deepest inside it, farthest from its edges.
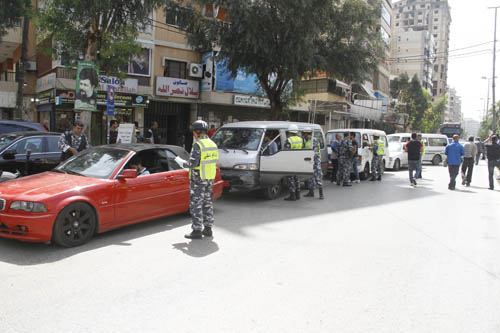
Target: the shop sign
(252, 101)
(125, 133)
(124, 111)
(46, 97)
(123, 100)
(173, 87)
(46, 82)
(66, 96)
(110, 103)
(129, 86)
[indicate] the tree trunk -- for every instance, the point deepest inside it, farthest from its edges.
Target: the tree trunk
(18, 111)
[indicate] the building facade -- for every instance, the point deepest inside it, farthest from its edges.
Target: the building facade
(453, 111)
(471, 127)
(433, 16)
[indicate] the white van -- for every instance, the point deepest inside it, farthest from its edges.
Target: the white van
(435, 145)
(365, 139)
(245, 162)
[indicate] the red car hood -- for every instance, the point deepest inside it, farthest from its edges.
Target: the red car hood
(45, 184)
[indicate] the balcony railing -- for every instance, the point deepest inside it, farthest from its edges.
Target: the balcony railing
(8, 76)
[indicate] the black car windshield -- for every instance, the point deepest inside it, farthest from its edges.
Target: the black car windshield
(238, 138)
(5, 139)
(95, 163)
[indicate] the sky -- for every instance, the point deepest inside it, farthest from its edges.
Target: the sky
(472, 24)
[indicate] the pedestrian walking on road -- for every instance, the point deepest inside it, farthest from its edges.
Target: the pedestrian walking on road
(294, 142)
(74, 141)
(378, 153)
(335, 157)
(113, 131)
(345, 151)
(355, 157)
(202, 166)
(422, 154)
(317, 179)
(414, 150)
(493, 155)
(152, 135)
(468, 163)
(454, 152)
(480, 150)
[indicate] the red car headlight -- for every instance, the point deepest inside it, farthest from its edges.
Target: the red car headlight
(28, 206)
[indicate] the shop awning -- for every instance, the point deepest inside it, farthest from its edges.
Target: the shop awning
(342, 85)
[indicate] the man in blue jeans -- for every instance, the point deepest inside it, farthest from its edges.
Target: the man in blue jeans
(414, 150)
(454, 151)
(493, 154)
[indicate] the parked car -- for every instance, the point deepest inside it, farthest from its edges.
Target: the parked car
(10, 126)
(435, 144)
(96, 191)
(43, 146)
(365, 140)
(245, 161)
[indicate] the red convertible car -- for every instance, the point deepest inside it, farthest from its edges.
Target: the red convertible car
(96, 191)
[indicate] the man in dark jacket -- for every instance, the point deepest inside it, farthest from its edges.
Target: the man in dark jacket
(74, 141)
(113, 131)
(493, 155)
(414, 149)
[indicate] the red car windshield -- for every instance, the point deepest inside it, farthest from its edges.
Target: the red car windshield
(95, 163)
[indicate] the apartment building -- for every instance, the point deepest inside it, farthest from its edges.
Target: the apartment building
(413, 53)
(453, 111)
(10, 55)
(432, 16)
(471, 127)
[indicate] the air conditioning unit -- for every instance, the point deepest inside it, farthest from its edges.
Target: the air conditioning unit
(31, 66)
(196, 70)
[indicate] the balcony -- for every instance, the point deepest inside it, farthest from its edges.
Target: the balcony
(9, 43)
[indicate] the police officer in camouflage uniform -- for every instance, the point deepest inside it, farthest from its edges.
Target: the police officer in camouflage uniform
(345, 151)
(317, 179)
(202, 166)
(378, 154)
(293, 142)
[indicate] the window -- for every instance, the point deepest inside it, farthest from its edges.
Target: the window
(33, 144)
(397, 24)
(435, 35)
(435, 27)
(175, 69)
(53, 144)
(178, 17)
(437, 142)
(436, 19)
(319, 136)
(172, 164)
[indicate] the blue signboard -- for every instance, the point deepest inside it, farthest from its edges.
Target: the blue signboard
(243, 83)
(110, 102)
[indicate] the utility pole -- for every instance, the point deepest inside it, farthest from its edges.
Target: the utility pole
(494, 125)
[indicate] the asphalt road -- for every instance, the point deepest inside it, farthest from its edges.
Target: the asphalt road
(377, 257)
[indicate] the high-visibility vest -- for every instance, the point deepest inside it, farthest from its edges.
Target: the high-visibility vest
(309, 145)
(423, 147)
(208, 159)
(295, 142)
(380, 150)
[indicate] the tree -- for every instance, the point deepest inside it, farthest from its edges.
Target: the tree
(431, 121)
(281, 41)
(11, 14)
(415, 99)
(103, 31)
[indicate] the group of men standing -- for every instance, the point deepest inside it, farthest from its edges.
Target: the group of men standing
(345, 158)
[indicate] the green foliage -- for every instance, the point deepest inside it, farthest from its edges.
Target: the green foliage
(11, 14)
(281, 41)
(487, 123)
(103, 31)
(433, 116)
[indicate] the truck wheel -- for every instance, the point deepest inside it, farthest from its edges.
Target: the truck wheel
(397, 165)
(272, 192)
(436, 160)
(366, 172)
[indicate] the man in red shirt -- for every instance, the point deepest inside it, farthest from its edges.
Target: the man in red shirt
(211, 131)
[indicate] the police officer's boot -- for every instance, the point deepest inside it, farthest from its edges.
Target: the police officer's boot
(291, 197)
(379, 177)
(297, 194)
(321, 193)
(207, 232)
(310, 193)
(195, 234)
(373, 178)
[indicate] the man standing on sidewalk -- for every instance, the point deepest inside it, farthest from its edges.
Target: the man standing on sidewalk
(454, 151)
(422, 154)
(493, 155)
(414, 150)
(468, 164)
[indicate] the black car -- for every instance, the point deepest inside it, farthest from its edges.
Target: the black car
(9, 126)
(45, 153)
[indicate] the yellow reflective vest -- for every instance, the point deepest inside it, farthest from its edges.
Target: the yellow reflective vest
(309, 145)
(381, 146)
(208, 159)
(295, 142)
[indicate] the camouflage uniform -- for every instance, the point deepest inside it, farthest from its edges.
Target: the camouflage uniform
(200, 193)
(317, 180)
(293, 181)
(345, 148)
(376, 161)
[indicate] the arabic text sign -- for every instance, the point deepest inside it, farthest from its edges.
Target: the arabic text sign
(46, 82)
(173, 87)
(125, 133)
(252, 101)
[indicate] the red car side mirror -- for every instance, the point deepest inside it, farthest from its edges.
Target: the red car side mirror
(127, 173)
